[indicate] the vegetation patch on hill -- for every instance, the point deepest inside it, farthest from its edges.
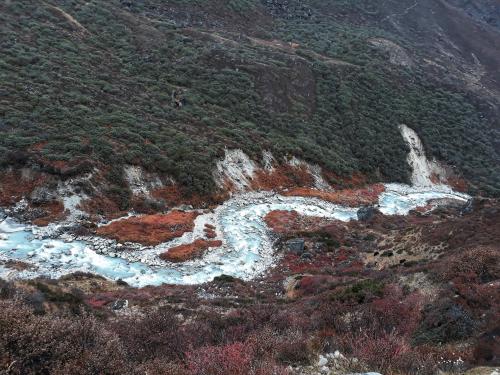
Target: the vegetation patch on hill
(169, 85)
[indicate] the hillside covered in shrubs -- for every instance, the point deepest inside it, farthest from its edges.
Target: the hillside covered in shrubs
(168, 85)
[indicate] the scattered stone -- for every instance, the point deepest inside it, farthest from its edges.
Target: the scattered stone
(322, 361)
(306, 256)
(120, 304)
(338, 355)
(296, 246)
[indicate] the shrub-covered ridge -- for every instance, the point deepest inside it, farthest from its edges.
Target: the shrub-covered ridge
(167, 86)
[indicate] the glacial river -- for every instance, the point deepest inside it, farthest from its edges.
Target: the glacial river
(247, 249)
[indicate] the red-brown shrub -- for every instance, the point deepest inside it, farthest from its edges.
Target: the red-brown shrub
(232, 359)
(397, 312)
(31, 344)
(162, 367)
(156, 335)
(477, 265)
(389, 353)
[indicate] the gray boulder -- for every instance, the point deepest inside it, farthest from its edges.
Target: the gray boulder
(366, 213)
(468, 207)
(296, 246)
(120, 304)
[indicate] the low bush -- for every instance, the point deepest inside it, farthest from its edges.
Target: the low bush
(34, 344)
(444, 321)
(232, 359)
(361, 291)
(479, 265)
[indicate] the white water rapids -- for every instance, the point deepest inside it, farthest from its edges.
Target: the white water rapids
(247, 249)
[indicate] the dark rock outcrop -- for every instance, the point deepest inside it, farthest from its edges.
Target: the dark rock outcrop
(366, 213)
(296, 246)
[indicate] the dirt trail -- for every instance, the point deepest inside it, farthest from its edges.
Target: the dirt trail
(279, 45)
(68, 18)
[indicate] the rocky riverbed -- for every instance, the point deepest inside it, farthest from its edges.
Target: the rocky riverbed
(247, 249)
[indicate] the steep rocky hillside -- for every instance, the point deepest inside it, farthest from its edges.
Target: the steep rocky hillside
(250, 187)
(92, 90)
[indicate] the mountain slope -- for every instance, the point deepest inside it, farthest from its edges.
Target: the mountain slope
(96, 86)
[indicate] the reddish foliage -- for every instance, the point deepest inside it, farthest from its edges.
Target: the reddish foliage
(14, 186)
(423, 209)
(477, 265)
(232, 359)
(286, 222)
(458, 184)
(347, 197)
(102, 206)
(391, 353)
(478, 296)
(342, 255)
(280, 221)
(39, 344)
(354, 268)
(155, 335)
(380, 349)
(54, 211)
(97, 303)
(282, 177)
(100, 300)
(210, 234)
(39, 146)
(310, 285)
(174, 195)
(397, 312)
(183, 253)
(163, 367)
(209, 231)
(297, 265)
(480, 227)
(150, 229)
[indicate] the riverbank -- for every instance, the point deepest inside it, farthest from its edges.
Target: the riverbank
(247, 243)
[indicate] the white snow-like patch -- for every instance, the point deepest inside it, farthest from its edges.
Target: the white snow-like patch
(314, 170)
(141, 182)
(423, 169)
(399, 199)
(268, 161)
(237, 168)
(319, 181)
(10, 226)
